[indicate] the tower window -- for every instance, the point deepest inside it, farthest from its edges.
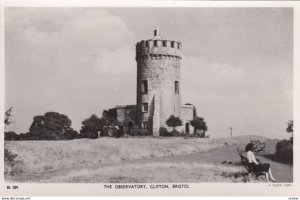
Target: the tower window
(155, 43)
(164, 43)
(147, 43)
(178, 45)
(176, 87)
(172, 44)
(145, 87)
(145, 107)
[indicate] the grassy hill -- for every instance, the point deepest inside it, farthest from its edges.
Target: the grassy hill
(36, 158)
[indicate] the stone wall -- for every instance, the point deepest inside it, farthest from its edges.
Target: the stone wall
(187, 112)
(126, 114)
(187, 115)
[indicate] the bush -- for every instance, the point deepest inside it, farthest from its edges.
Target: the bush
(200, 125)
(12, 167)
(141, 132)
(178, 134)
(284, 151)
(173, 122)
(92, 126)
(10, 135)
(109, 131)
(164, 132)
(91, 135)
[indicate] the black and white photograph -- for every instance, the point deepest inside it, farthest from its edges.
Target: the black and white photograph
(136, 96)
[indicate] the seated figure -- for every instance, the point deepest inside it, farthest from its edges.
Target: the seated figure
(256, 165)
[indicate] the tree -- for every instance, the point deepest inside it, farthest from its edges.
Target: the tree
(51, 126)
(92, 126)
(110, 116)
(290, 128)
(8, 117)
(199, 124)
(10, 135)
(173, 122)
(284, 148)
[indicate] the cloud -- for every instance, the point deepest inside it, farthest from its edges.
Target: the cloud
(67, 59)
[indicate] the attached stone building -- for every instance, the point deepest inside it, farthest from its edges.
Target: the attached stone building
(158, 87)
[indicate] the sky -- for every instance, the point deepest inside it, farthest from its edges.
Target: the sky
(237, 66)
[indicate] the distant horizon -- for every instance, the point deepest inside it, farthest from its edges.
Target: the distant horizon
(237, 66)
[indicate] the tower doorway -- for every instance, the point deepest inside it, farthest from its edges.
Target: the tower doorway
(187, 128)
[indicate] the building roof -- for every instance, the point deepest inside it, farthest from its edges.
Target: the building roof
(125, 106)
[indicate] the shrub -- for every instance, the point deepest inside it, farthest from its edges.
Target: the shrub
(109, 131)
(200, 125)
(284, 151)
(173, 122)
(141, 132)
(164, 132)
(11, 135)
(92, 126)
(12, 167)
(178, 134)
(91, 135)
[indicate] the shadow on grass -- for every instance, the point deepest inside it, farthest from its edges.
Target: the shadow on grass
(242, 177)
(232, 163)
(237, 176)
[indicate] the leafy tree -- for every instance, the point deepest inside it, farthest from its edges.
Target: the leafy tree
(284, 148)
(8, 117)
(92, 126)
(199, 124)
(284, 151)
(290, 128)
(51, 126)
(173, 122)
(110, 116)
(10, 135)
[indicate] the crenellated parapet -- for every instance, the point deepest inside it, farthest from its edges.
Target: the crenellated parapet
(158, 49)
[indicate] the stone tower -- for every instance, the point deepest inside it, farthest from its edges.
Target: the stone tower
(158, 81)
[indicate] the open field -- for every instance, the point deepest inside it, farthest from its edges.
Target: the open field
(143, 159)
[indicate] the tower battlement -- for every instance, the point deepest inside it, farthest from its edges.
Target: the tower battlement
(158, 48)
